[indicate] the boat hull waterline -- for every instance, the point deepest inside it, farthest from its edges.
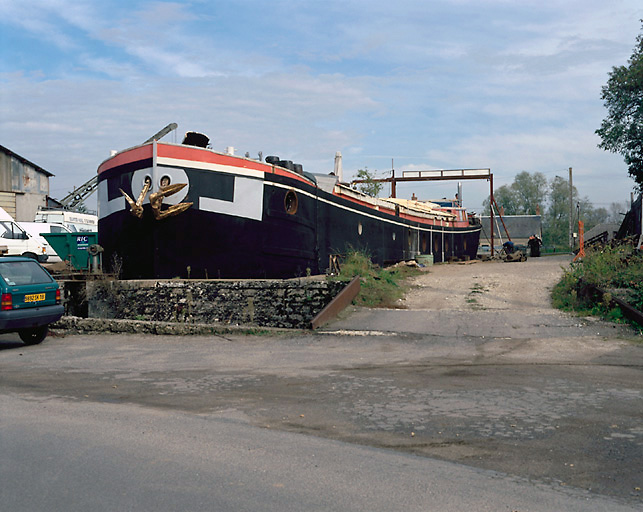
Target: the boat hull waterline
(251, 219)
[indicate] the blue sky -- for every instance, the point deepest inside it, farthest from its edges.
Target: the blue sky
(510, 85)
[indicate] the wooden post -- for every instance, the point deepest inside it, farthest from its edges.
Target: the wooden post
(571, 212)
(491, 201)
(500, 214)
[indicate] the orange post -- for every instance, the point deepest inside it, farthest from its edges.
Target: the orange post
(581, 240)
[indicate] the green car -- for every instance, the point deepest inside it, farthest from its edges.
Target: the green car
(30, 299)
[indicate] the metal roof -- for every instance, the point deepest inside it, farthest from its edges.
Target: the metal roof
(519, 226)
(25, 161)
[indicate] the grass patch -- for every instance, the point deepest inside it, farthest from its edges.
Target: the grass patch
(472, 299)
(378, 287)
(618, 270)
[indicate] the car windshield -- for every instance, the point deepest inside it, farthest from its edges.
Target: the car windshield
(23, 272)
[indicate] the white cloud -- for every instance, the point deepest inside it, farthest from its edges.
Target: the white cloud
(512, 86)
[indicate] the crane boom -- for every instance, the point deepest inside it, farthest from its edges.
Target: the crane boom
(79, 194)
(162, 133)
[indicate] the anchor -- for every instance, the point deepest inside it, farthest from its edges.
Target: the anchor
(137, 206)
(156, 201)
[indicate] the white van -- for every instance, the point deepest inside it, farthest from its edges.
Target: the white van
(75, 221)
(18, 242)
(36, 228)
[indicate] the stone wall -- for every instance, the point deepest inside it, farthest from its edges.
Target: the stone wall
(268, 303)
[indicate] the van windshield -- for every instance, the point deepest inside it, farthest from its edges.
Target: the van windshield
(23, 272)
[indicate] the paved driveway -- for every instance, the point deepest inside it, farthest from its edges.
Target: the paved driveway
(478, 369)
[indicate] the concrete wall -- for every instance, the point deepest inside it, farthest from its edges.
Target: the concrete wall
(27, 205)
(267, 303)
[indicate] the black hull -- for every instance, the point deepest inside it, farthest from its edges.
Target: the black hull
(205, 244)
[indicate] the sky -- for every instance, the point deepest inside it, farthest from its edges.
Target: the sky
(411, 85)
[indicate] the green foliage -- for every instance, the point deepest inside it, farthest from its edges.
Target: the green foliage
(622, 130)
(378, 287)
(523, 196)
(531, 190)
(619, 270)
(565, 292)
(556, 221)
(505, 198)
(617, 212)
(371, 188)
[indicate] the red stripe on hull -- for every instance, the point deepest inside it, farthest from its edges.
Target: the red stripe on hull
(127, 156)
(208, 156)
(204, 155)
(195, 154)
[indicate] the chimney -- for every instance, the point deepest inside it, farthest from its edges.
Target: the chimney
(338, 167)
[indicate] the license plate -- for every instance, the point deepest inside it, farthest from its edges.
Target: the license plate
(34, 297)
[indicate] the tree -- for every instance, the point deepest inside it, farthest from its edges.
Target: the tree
(617, 212)
(556, 222)
(589, 215)
(506, 199)
(371, 188)
(523, 196)
(531, 191)
(622, 130)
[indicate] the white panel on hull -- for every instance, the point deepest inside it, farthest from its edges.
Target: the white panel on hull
(106, 207)
(247, 200)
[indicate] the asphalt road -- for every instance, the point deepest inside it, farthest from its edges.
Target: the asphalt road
(477, 395)
(71, 456)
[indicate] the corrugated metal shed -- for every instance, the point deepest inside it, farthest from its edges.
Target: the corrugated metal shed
(603, 232)
(24, 186)
(520, 228)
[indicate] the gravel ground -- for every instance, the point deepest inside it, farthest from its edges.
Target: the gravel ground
(489, 285)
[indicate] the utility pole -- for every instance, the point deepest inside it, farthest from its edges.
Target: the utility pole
(571, 211)
(491, 201)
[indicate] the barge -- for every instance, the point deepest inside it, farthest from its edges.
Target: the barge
(171, 210)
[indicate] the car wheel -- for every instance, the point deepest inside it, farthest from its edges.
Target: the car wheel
(30, 255)
(33, 336)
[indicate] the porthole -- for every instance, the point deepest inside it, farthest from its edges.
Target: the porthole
(359, 228)
(165, 181)
(291, 202)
